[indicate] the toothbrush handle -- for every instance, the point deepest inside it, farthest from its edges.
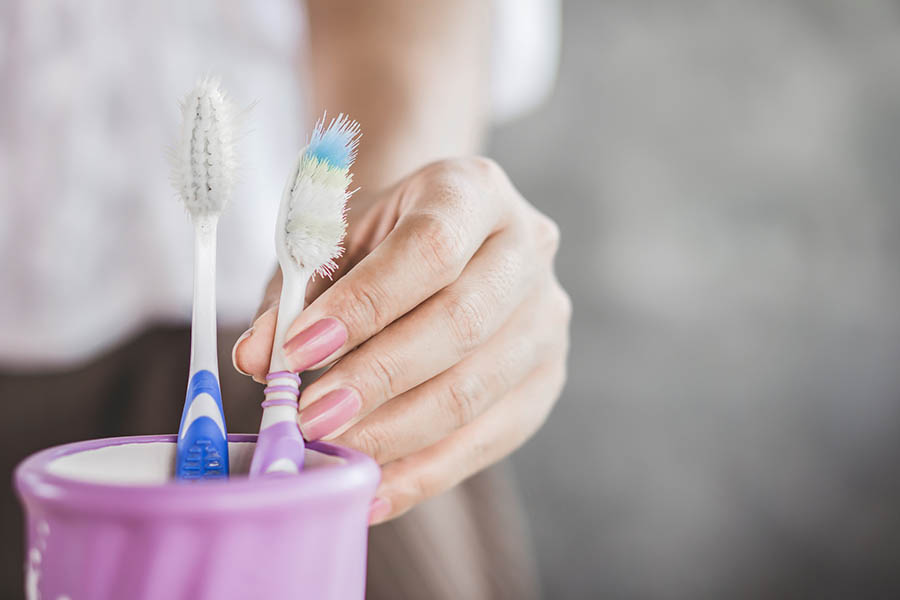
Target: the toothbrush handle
(280, 446)
(202, 451)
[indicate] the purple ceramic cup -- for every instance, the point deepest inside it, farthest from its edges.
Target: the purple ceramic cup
(297, 536)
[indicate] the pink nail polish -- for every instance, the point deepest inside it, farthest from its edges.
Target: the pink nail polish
(315, 343)
(381, 508)
(329, 413)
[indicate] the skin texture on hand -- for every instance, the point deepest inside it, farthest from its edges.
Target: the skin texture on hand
(446, 329)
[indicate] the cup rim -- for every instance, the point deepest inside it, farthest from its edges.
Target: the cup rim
(34, 483)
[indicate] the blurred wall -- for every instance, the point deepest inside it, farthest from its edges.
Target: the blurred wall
(726, 179)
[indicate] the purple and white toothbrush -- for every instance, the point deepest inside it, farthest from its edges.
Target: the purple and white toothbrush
(309, 231)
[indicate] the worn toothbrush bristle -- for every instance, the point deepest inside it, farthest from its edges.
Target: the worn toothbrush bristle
(316, 220)
(335, 144)
(204, 161)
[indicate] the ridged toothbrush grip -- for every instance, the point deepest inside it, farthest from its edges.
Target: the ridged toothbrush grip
(202, 451)
(280, 447)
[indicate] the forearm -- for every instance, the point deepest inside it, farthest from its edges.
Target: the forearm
(413, 73)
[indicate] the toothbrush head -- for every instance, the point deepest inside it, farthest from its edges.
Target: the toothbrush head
(204, 160)
(335, 144)
(315, 221)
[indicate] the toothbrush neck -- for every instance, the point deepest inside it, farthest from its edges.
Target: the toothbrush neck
(291, 304)
(204, 355)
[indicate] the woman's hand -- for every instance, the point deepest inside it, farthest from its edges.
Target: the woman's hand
(449, 328)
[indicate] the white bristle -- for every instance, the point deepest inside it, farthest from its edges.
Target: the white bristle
(316, 219)
(204, 161)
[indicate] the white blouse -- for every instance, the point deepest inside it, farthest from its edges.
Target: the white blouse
(95, 244)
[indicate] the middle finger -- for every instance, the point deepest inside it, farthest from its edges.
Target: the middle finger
(424, 343)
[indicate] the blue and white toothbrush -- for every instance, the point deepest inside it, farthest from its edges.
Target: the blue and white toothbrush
(308, 234)
(203, 173)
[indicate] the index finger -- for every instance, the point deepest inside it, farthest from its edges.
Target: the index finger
(439, 231)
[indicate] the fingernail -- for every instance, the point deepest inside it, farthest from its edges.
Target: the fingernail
(380, 509)
(243, 337)
(329, 413)
(315, 343)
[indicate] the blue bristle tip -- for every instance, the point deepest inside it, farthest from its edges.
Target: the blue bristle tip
(335, 144)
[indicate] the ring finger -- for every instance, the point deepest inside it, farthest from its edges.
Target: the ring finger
(434, 409)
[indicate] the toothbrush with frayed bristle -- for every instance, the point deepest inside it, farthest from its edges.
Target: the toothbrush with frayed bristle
(309, 231)
(203, 174)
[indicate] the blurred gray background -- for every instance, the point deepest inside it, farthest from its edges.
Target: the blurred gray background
(725, 176)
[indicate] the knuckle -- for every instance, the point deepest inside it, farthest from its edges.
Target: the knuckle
(444, 182)
(460, 183)
(561, 345)
(362, 308)
(368, 441)
(467, 320)
(558, 376)
(547, 234)
(421, 487)
(441, 170)
(534, 419)
(558, 302)
(484, 165)
(386, 371)
(453, 168)
(440, 246)
(539, 418)
(463, 399)
(565, 304)
(480, 455)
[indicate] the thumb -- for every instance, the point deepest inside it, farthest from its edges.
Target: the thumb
(252, 351)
